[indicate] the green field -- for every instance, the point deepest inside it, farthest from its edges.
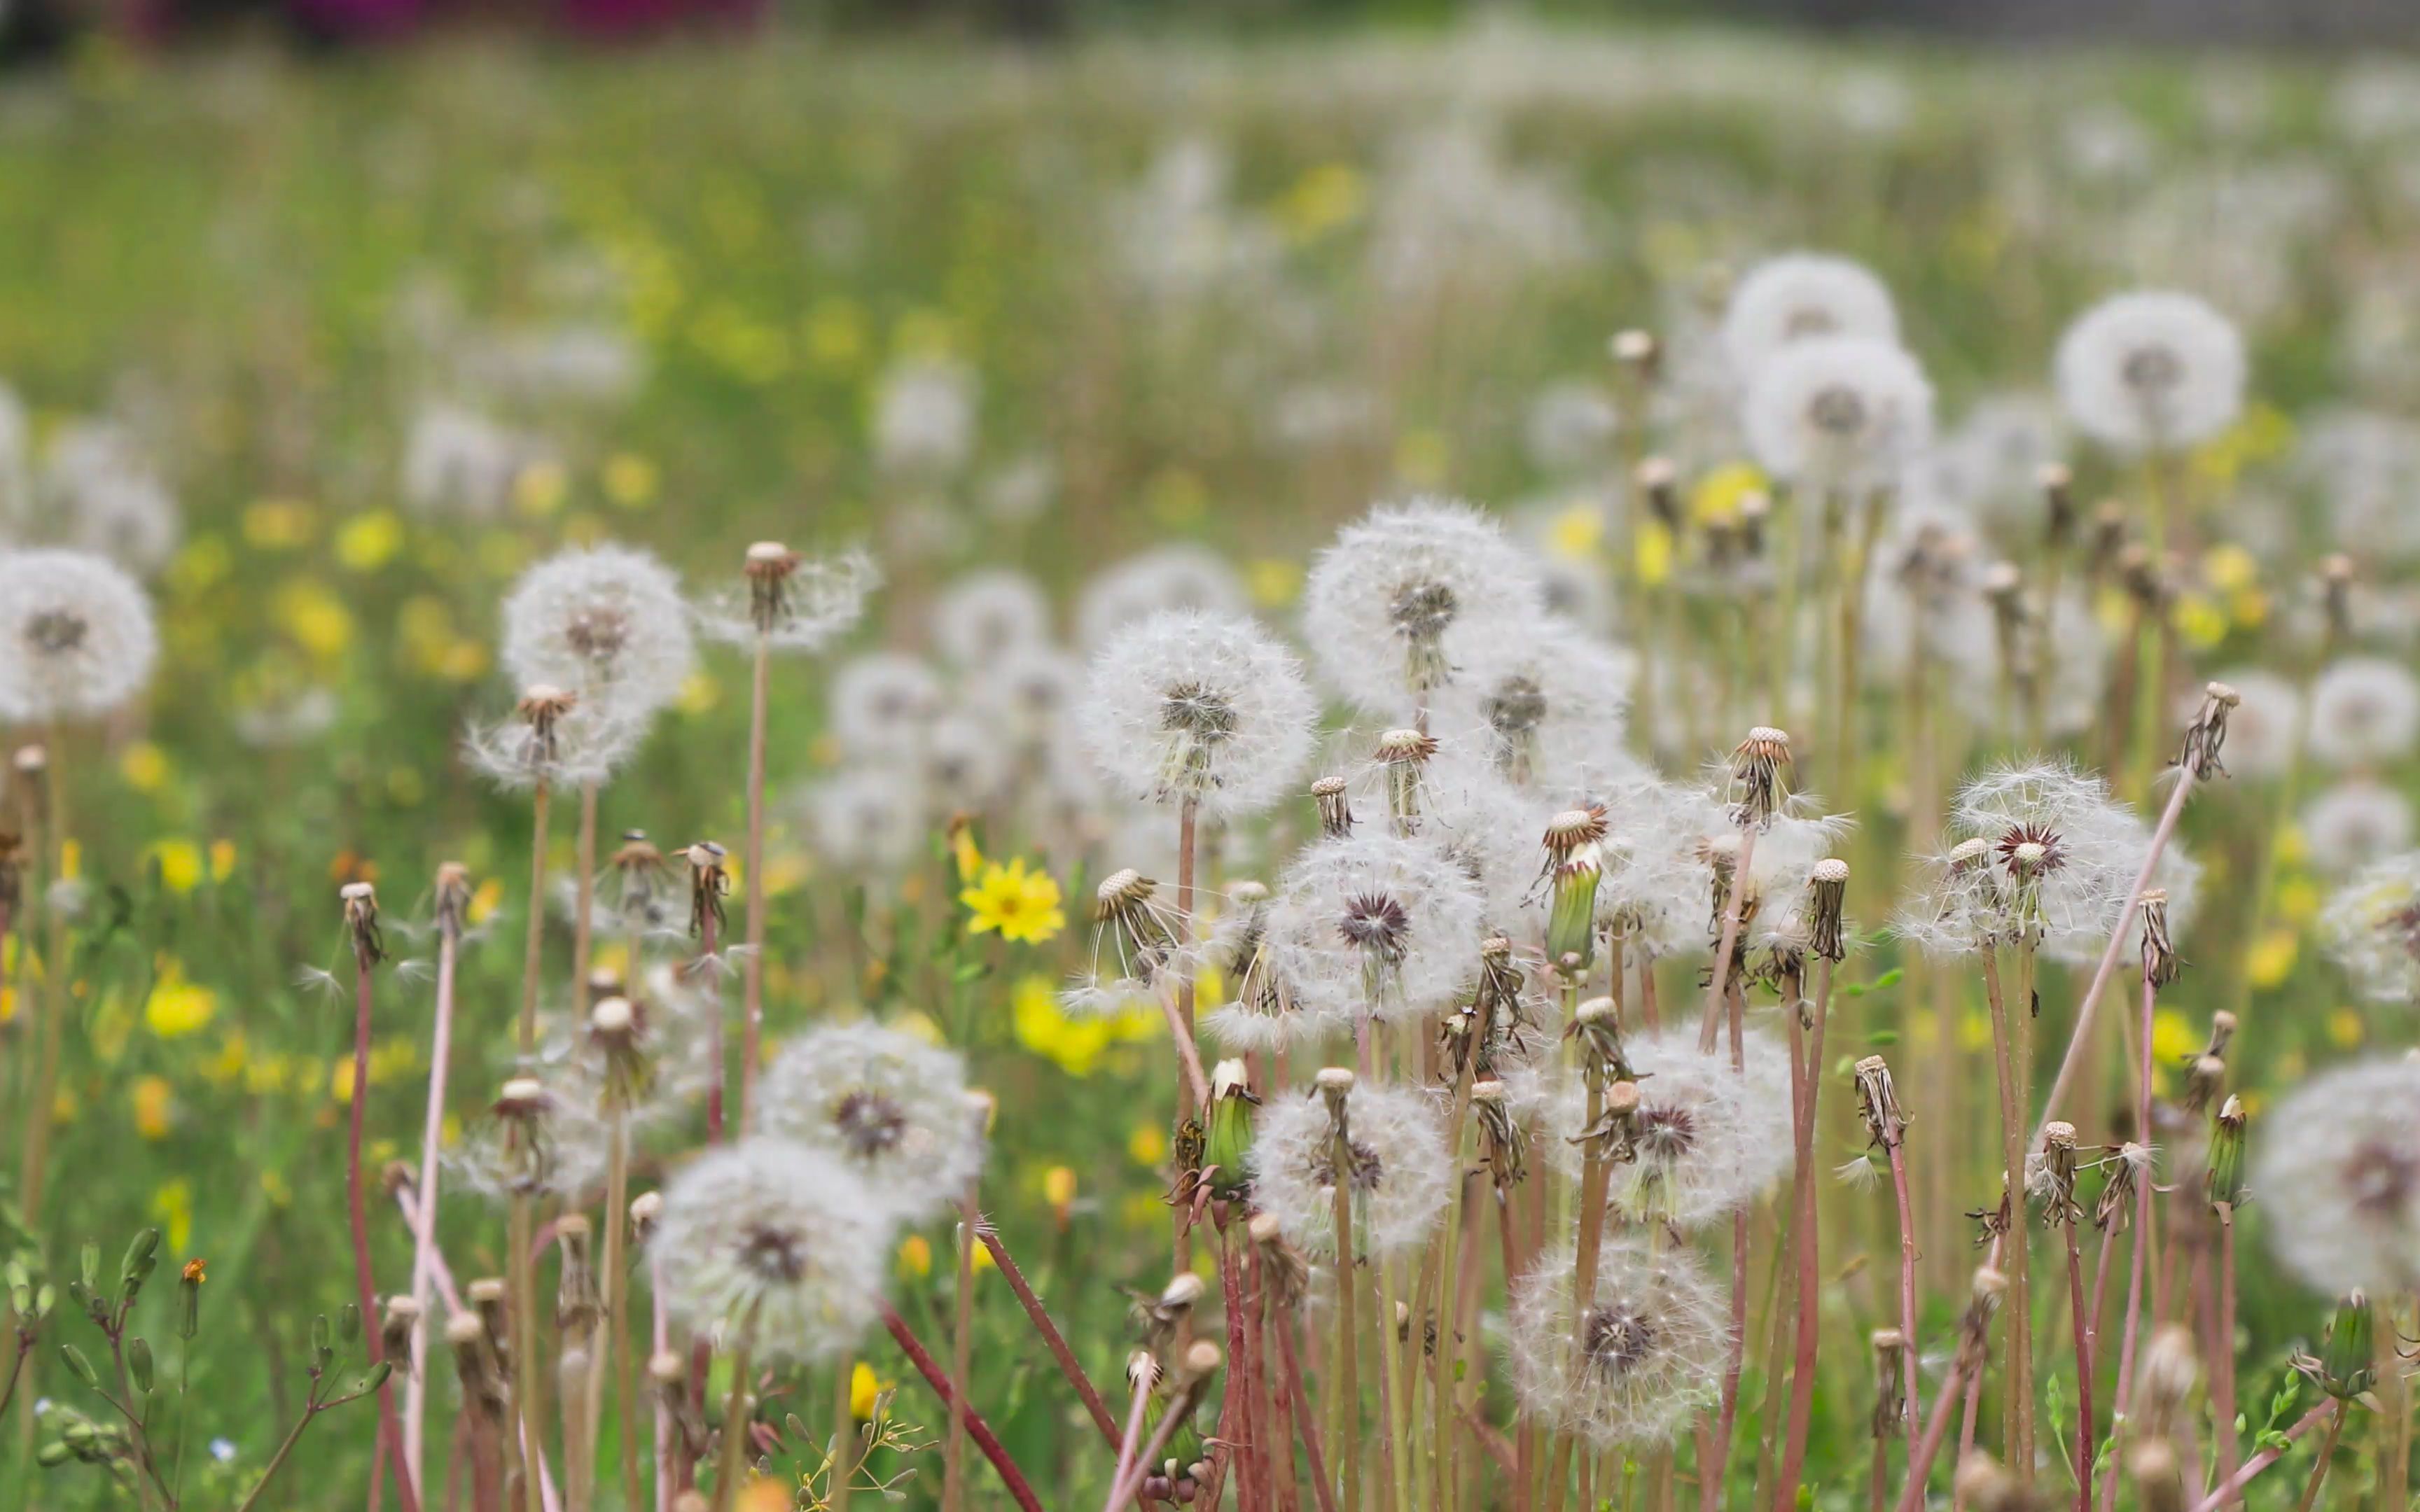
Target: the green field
(389, 328)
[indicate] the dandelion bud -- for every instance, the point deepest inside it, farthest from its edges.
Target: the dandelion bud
(78, 1366)
(1827, 887)
(453, 896)
(2335, 592)
(1890, 1395)
(138, 1362)
(399, 1320)
(646, 1210)
(487, 1295)
(1878, 1101)
(1228, 1153)
(2204, 1080)
(2225, 1179)
(1571, 921)
(2058, 1173)
(189, 1298)
(2159, 1480)
(2207, 733)
(1639, 351)
(1658, 483)
(2349, 1369)
(1202, 1359)
(2057, 486)
(473, 1365)
(1335, 806)
(361, 917)
(2160, 963)
(1760, 776)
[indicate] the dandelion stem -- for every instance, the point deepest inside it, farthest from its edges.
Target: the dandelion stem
(1920, 1467)
(844, 1436)
(423, 1213)
(390, 1432)
(1051, 1339)
(2108, 965)
(1732, 907)
(533, 941)
(2332, 1409)
(584, 901)
(1192, 1088)
(961, 1354)
(1019, 1490)
(2142, 1238)
(1344, 1404)
(1290, 1390)
(752, 1016)
(736, 1414)
(2016, 1408)
(1911, 1377)
(614, 1277)
(2085, 1436)
(1807, 1078)
(1443, 1481)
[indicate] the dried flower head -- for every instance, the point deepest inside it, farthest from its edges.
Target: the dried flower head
(1630, 1366)
(555, 737)
(1396, 1169)
(775, 1242)
(1136, 952)
(796, 603)
(1801, 297)
(1393, 608)
(888, 1106)
(1839, 413)
(2339, 1175)
(606, 622)
(1193, 708)
(2372, 927)
(2151, 372)
(1262, 1015)
(1707, 1139)
(1372, 924)
(76, 635)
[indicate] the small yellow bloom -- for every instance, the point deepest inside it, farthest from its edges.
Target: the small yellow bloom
(540, 489)
(340, 1080)
(1147, 1144)
(314, 617)
(277, 524)
(485, 899)
(2272, 958)
(2298, 900)
(2229, 568)
(144, 767)
(2201, 621)
(368, 542)
(963, 850)
(1073, 1044)
(836, 335)
(180, 864)
(222, 859)
(2173, 1040)
(1273, 581)
(763, 1493)
(1327, 196)
(154, 1104)
(630, 480)
(915, 1256)
(1021, 905)
(699, 692)
(1719, 493)
(173, 1205)
(1651, 553)
(1576, 533)
(865, 1391)
(2292, 847)
(2346, 1028)
(178, 1007)
(1058, 1187)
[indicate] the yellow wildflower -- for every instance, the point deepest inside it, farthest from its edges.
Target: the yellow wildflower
(1273, 581)
(1147, 1144)
(1576, 533)
(368, 542)
(963, 850)
(1058, 1187)
(2345, 1028)
(2272, 958)
(540, 489)
(865, 1391)
(277, 524)
(1651, 553)
(180, 864)
(2298, 900)
(2173, 1040)
(1327, 196)
(1074, 1045)
(1718, 494)
(630, 480)
(1021, 905)
(178, 1007)
(144, 767)
(173, 1205)
(915, 1256)
(314, 617)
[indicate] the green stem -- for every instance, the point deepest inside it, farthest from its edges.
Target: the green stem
(278, 1458)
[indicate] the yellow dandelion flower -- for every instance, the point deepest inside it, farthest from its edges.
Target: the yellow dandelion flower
(144, 767)
(1074, 1045)
(865, 1391)
(1273, 581)
(2173, 1040)
(178, 1007)
(1147, 1144)
(630, 480)
(1652, 554)
(1021, 905)
(1718, 494)
(2229, 568)
(2345, 1028)
(540, 489)
(2272, 958)
(1576, 533)
(173, 1205)
(368, 542)
(277, 524)
(180, 864)
(915, 1257)
(1058, 1187)
(2298, 900)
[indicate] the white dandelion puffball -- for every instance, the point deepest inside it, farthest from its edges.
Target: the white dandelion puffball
(2152, 371)
(868, 819)
(2364, 712)
(888, 1107)
(1400, 1179)
(775, 1242)
(1368, 923)
(1206, 709)
(553, 1144)
(1393, 608)
(2372, 928)
(586, 741)
(1176, 576)
(460, 463)
(76, 635)
(2339, 1171)
(1838, 412)
(606, 622)
(1545, 700)
(985, 616)
(1801, 297)
(883, 706)
(925, 417)
(1027, 693)
(1711, 1139)
(967, 765)
(99, 493)
(2355, 823)
(2262, 729)
(1635, 1364)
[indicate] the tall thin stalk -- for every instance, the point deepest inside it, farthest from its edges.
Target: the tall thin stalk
(453, 898)
(752, 991)
(736, 1412)
(961, 1355)
(361, 919)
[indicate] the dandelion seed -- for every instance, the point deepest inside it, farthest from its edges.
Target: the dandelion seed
(1392, 607)
(796, 603)
(606, 622)
(1375, 925)
(1399, 1173)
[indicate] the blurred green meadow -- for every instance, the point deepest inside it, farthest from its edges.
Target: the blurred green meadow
(392, 327)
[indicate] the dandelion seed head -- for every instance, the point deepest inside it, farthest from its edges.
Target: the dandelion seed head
(606, 622)
(2351, 825)
(1545, 700)
(987, 615)
(2339, 1171)
(776, 1241)
(555, 737)
(797, 604)
(1393, 608)
(888, 1106)
(883, 706)
(1188, 708)
(2371, 926)
(2152, 371)
(1400, 1174)
(76, 635)
(2364, 713)
(1801, 297)
(1369, 923)
(1710, 1139)
(1629, 1367)
(869, 819)
(1839, 413)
